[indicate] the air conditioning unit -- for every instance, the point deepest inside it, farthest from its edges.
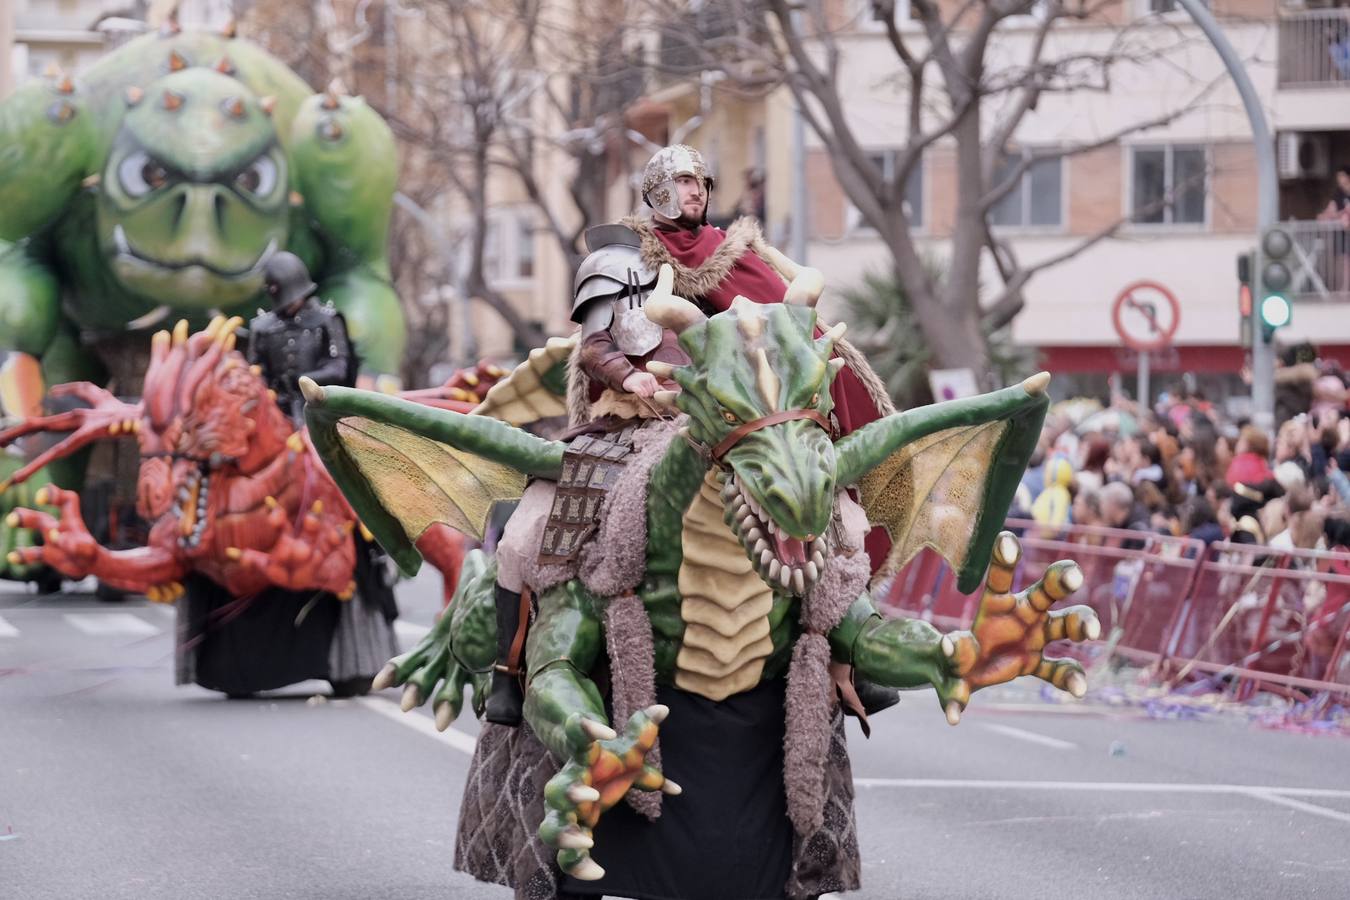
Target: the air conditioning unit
(1303, 155)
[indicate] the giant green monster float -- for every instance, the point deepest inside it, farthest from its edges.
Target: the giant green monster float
(154, 187)
(724, 594)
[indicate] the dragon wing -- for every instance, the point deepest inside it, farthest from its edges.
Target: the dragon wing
(943, 476)
(404, 466)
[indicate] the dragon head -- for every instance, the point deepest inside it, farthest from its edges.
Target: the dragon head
(206, 416)
(191, 223)
(758, 392)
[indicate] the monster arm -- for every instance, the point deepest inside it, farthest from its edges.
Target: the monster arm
(564, 643)
(30, 311)
(898, 653)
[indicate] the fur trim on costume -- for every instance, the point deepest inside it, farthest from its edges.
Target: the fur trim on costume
(811, 700)
(810, 704)
(615, 559)
(632, 679)
(692, 284)
(578, 390)
(623, 405)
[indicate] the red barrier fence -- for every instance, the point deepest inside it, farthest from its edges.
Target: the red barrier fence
(1250, 616)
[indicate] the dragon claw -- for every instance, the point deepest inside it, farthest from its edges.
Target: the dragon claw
(587, 870)
(657, 712)
(671, 788)
(385, 679)
(948, 646)
(411, 697)
(580, 793)
(953, 713)
(572, 838)
(1092, 629)
(1077, 685)
(597, 731)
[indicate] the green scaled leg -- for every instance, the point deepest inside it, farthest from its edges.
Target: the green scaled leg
(565, 710)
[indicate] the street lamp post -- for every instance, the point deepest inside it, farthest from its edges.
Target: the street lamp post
(1267, 198)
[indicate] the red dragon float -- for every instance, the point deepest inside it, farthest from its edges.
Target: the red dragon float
(242, 513)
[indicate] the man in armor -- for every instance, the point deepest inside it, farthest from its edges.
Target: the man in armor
(617, 341)
(298, 337)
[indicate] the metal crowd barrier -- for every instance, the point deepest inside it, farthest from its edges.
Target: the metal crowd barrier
(1250, 617)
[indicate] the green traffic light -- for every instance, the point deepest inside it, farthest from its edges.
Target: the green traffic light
(1276, 311)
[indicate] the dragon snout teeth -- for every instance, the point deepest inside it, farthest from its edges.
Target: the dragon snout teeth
(760, 536)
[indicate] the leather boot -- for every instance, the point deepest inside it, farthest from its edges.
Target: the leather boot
(506, 698)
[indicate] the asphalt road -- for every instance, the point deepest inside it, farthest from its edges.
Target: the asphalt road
(116, 784)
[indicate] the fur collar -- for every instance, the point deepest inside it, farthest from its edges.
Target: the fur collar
(742, 235)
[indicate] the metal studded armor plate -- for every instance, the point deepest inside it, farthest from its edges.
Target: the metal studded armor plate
(591, 465)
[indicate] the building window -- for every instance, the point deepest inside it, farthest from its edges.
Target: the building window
(869, 19)
(1169, 185)
(913, 200)
(524, 247)
(1037, 200)
(1163, 7)
(492, 256)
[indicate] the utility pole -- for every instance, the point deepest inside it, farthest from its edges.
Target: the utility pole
(1267, 199)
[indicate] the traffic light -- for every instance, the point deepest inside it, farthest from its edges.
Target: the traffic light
(1274, 309)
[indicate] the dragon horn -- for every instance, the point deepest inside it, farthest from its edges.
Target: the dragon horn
(234, 108)
(173, 100)
(134, 95)
(668, 310)
(177, 62)
(224, 66)
(268, 104)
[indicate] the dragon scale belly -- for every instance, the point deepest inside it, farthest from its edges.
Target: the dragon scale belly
(724, 603)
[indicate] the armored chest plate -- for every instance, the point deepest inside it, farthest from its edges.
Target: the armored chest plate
(591, 465)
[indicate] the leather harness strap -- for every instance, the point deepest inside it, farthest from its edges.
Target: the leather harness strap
(740, 431)
(513, 658)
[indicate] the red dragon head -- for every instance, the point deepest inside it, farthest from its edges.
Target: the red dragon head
(206, 415)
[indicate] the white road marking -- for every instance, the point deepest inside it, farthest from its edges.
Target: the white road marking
(1262, 791)
(1030, 736)
(457, 740)
(167, 610)
(109, 624)
(6, 629)
(409, 631)
(1273, 797)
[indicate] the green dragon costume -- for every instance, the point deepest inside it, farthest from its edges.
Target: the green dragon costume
(724, 593)
(156, 186)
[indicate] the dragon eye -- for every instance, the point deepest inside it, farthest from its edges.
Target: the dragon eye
(730, 417)
(139, 174)
(259, 178)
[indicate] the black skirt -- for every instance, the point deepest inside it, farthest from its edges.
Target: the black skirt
(727, 837)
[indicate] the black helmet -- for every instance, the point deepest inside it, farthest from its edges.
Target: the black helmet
(287, 279)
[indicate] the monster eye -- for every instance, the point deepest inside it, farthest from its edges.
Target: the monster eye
(259, 178)
(140, 174)
(730, 417)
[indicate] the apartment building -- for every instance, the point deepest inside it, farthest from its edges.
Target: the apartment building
(1184, 192)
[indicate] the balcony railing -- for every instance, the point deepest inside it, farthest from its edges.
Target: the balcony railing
(1315, 48)
(1321, 263)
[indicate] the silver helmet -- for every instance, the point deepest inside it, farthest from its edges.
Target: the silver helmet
(658, 179)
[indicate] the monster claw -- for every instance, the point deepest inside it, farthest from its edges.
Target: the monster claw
(1077, 685)
(385, 679)
(445, 713)
(657, 712)
(580, 793)
(953, 713)
(54, 535)
(12, 520)
(312, 390)
(1092, 629)
(596, 731)
(588, 870)
(571, 838)
(153, 593)
(316, 507)
(671, 788)
(1072, 579)
(295, 443)
(270, 501)
(366, 534)
(40, 498)
(1036, 384)
(14, 557)
(948, 646)
(411, 697)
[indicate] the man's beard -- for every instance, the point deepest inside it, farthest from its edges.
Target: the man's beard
(688, 222)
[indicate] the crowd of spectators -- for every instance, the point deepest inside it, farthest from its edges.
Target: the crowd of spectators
(1183, 468)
